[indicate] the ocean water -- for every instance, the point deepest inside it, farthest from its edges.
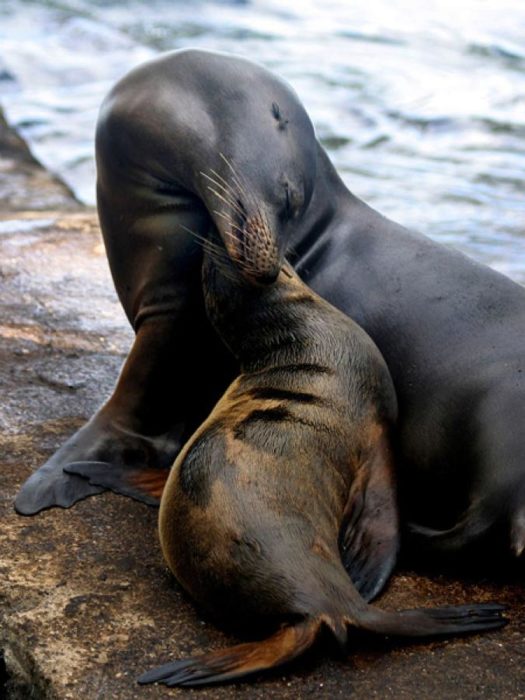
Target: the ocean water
(421, 106)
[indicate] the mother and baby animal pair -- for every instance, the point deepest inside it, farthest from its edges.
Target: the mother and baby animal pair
(194, 143)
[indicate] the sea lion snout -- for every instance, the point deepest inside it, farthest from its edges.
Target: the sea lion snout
(252, 246)
(248, 233)
(262, 257)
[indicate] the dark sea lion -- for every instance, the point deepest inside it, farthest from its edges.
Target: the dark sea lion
(288, 483)
(451, 330)
(166, 137)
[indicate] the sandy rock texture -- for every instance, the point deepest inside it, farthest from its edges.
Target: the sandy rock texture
(86, 603)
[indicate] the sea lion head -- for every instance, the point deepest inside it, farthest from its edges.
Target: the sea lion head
(263, 179)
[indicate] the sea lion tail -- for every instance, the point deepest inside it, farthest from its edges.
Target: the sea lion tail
(235, 662)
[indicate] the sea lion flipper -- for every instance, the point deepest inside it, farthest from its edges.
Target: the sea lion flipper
(101, 441)
(238, 661)
(369, 537)
(289, 642)
(435, 622)
(142, 484)
(476, 521)
(49, 487)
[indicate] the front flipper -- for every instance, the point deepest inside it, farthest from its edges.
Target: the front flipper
(143, 484)
(49, 487)
(100, 440)
(369, 536)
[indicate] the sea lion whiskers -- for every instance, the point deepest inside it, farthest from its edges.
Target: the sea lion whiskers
(233, 200)
(236, 239)
(228, 218)
(222, 183)
(226, 197)
(250, 223)
(252, 228)
(217, 252)
(243, 187)
(233, 194)
(257, 246)
(249, 263)
(238, 210)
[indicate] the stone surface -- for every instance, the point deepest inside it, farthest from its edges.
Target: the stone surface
(86, 603)
(24, 184)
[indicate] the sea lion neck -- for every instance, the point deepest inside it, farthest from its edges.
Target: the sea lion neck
(329, 206)
(262, 325)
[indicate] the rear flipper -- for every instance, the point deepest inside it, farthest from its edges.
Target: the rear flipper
(245, 659)
(238, 661)
(477, 521)
(434, 622)
(55, 484)
(500, 507)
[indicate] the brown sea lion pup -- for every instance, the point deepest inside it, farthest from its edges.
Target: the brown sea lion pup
(288, 481)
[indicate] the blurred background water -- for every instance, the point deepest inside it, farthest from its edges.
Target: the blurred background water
(420, 105)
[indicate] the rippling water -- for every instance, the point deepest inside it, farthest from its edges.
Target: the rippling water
(420, 105)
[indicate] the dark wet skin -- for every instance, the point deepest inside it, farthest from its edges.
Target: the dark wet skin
(451, 330)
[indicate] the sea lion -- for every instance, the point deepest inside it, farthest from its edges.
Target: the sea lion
(165, 148)
(450, 329)
(288, 482)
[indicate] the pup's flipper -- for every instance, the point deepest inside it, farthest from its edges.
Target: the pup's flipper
(434, 622)
(145, 485)
(234, 663)
(238, 661)
(369, 536)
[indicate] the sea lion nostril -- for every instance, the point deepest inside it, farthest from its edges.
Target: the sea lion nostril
(268, 278)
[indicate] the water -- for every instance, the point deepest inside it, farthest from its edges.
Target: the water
(420, 105)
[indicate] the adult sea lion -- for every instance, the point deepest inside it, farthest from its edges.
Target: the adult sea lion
(450, 329)
(288, 482)
(165, 145)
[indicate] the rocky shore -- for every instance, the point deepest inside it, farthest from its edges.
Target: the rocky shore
(86, 603)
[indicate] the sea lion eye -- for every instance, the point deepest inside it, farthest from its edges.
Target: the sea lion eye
(293, 202)
(288, 200)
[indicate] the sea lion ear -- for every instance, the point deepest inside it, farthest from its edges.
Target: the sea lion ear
(369, 535)
(145, 485)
